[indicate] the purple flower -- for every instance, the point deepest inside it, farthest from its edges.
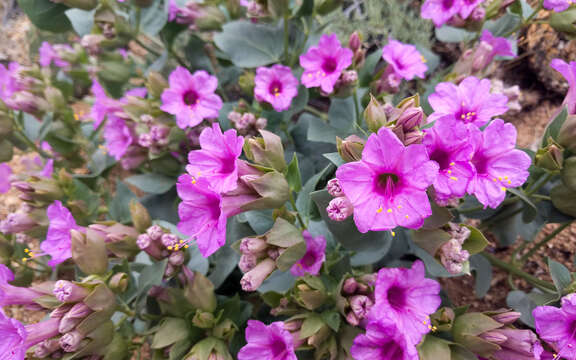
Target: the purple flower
(57, 243)
(8, 81)
(383, 341)
(5, 172)
(499, 165)
(447, 143)
(217, 161)
(275, 85)
(48, 54)
(514, 344)
(118, 136)
(201, 214)
(558, 326)
(405, 60)
(498, 46)
(470, 102)
(14, 295)
(270, 342)
(191, 97)
(13, 335)
(569, 73)
(407, 298)
(557, 5)
(468, 6)
(440, 11)
(324, 63)
(312, 261)
(388, 186)
(103, 105)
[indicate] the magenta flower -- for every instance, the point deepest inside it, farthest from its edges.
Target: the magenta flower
(557, 326)
(201, 214)
(14, 295)
(8, 81)
(312, 261)
(217, 161)
(103, 105)
(383, 341)
(569, 73)
(13, 335)
(405, 60)
(468, 6)
(270, 342)
(407, 298)
(58, 244)
(500, 46)
(440, 11)
(447, 143)
(275, 85)
(323, 64)
(498, 164)
(5, 172)
(557, 5)
(388, 186)
(49, 54)
(191, 97)
(118, 136)
(470, 102)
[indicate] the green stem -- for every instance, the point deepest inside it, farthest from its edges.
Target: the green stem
(293, 203)
(540, 284)
(97, 131)
(316, 112)
(544, 241)
(542, 180)
(286, 35)
(357, 108)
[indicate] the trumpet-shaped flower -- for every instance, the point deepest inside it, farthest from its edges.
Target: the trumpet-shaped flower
(275, 85)
(270, 342)
(58, 239)
(405, 60)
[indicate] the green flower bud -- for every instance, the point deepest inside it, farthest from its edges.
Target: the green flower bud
(156, 84)
(89, 251)
(350, 149)
(140, 216)
(203, 319)
(551, 157)
(375, 115)
(569, 173)
(266, 150)
(564, 199)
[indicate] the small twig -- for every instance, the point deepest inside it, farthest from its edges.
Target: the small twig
(544, 241)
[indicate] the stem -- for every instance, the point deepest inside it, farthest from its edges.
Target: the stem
(286, 35)
(540, 284)
(293, 203)
(357, 108)
(544, 241)
(316, 112)
(542, 180)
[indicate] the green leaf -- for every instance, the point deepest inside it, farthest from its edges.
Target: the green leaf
(170, 331)
(520, 193)
(6, 150)
(335, 158)
(503, 25)
(291, 256)
(430, 240)
(451, 34)
(251, 45)
(152, 183)
(311, 325)
(46, 15)
(341, 113)
(433, 348)
(482, 274)
(521, 302)
(553, 128)
(82, 20)
(259, 220)
(476, 242)
(560, 275)
(332, 319)
(366, 73)
(154, 17)
(151, 275)
(440, 217)
(119, 206)
(293, 176)
(320, 131)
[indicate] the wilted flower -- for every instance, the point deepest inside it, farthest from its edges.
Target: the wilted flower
(270, 342)
(57, 243)
(312, 261)
(405, 60)
(276, 85)
(191, 97)
(498, 164)
(334, 188)
(323, 64)
(470, 102)
(388, 186)
(217, 161)
(383, 341)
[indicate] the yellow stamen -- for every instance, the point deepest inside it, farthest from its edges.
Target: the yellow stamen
(389, 210)
(453, 178)
(393, 233)
(452, 163)
(379, 210)
(503, 188)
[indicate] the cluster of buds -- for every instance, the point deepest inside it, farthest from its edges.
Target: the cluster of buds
(19, 222)
(357, 298)
(404, 119)
(203, 17)
(339, 208)
(452, 256)
(152, 135)
(345, 84)
(281, 247)
(161, 244)
(355, 44)
(247, 123)
(25, 90)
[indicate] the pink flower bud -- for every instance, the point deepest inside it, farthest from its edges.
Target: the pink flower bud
(411, 118)
(261, 123)
(74, 317)
(155, 232)
(252, 280)
(352, 319)
(339, 209)
(349, 287)
(361, 305)
(508, 317)
(169, 240)
(71, 342)
(251, 245)
(46, 348)
(334, 188)
(494, 337)
(247, 262)
(354, 42)
(17, 222)
(68, 292)
(273, 253)
(176, 258)
(169, 271)
(478, 14)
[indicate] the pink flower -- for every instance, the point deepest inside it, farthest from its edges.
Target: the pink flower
(569, 73)
(217, 161)
(323, 64)
(499, 165)
(470, 102)
(5, 172)
(201, 214)
(103, 105)
(440, 11)
(388, 186)
(556, 326)
(497, 46)
(270, 342)
(275, 85)
(312, 261)
(191, 97)
(383, 341)
(14, 295)
(49, 54)
(118, 136)
(57, 243)
(13, 335)
(447, 143)
(406, 298)
(405, 60)
(9, 83)
(557, 5)
(468, 6)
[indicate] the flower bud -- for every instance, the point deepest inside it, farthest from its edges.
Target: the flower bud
(211, 18)
(350, 149)
(349, 286)
(507, 317)
(252, 245)
(55, 98)
(352, 319)
(46, 348)
(72, 341)
(494, 337)
(176, 258)
(550, 158)
(340, 208)
(246, 82)
(355, 41)
(151, 247)
(411, 118)
(209, 348)
(225, 329)
(374, 115)
(568, 173)
(89, 252)
(266, 150)
(156, 84)
(567, 134)
(68, 292)
(564, 199)
(247, 262)
(334, 188)
(252, 280)
(203, 319)
(118, 283)
(73, 317)
(361, 305)
(140, 216)
(155, 232)
(17, 222)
